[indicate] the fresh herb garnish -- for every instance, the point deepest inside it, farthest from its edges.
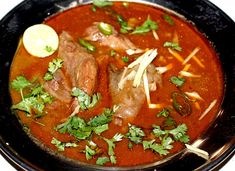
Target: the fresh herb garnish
(102, 3)
(147, 26)
(61, 145)
(173, 45)
(85, 101)
(102, 160)
(81, 129)
(111, 145)
(52, 68)
(169, 122)
(49, 49)
(178, 133)
(20, 83)
(34, 100)
(90, 151)
(178, 81)
(135, 134)
(125, 59)
(168, 19)
(156, 147)
(112, 53)
(87, 45)
(125, 28)
(165, 113)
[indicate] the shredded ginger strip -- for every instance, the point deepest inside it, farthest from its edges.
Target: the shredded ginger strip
(147, 59)
(212, 104)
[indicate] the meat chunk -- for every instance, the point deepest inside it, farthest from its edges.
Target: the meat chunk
(59, 87)
(80, 66)
(129, 99)
(115, 41)
(79, 70)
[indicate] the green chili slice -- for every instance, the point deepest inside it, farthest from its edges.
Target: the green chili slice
(87, 45)
(181, 103)
(105, 28)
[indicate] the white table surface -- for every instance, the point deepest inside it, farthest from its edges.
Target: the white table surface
(226, 5)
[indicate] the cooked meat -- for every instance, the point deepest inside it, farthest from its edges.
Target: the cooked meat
(59, 87)
(79, 65)
(129, 99)
(114, 41)
(79, 70)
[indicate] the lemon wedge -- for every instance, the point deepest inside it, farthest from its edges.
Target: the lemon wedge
(40, 40)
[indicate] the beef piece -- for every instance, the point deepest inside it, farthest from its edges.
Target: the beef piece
(59, 87)
(80, 66)
(129, 99)
(79, 70)
(114, 41)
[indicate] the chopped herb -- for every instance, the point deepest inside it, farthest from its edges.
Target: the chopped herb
(52, 68)
(20, 83)
(181, 103)
(85, 101)
(173, 45)
(81, 129)
(102, 160)
(135, 134)
(87, 45)
(158, 148)
(102, 119)
(61, 145)
(49, 49)
(93, 8)
(36, 98)
(177, 81)
(124, 25)
(102, 3)
(169, 122)
(125, 59)
(178, 133)
(89, 152)
(130, 145)
(147, 26)
(111, 145)
(165, 113)
(105, 28)
(112, 53)
(168, 19)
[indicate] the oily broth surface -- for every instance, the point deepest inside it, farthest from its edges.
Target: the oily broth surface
(209, 85)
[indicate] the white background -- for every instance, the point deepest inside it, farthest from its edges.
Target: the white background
(226, 5)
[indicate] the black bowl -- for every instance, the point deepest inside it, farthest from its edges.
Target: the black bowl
(219, 140)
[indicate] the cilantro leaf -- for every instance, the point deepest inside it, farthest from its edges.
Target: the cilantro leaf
(177, 81)
(102, 3)
(20, 83)
(173, 45)
(147, 26)
(61, 145)
(179, 133)
(111, 145)
(85, 101)
(169, 122)
(168, 19)
(158, 148)
(165, 113)
(89, 152)
(36, 98)
(102, 160)
(52, 68)
(135, 134)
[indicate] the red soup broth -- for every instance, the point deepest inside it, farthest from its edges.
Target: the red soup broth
(208, 82)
